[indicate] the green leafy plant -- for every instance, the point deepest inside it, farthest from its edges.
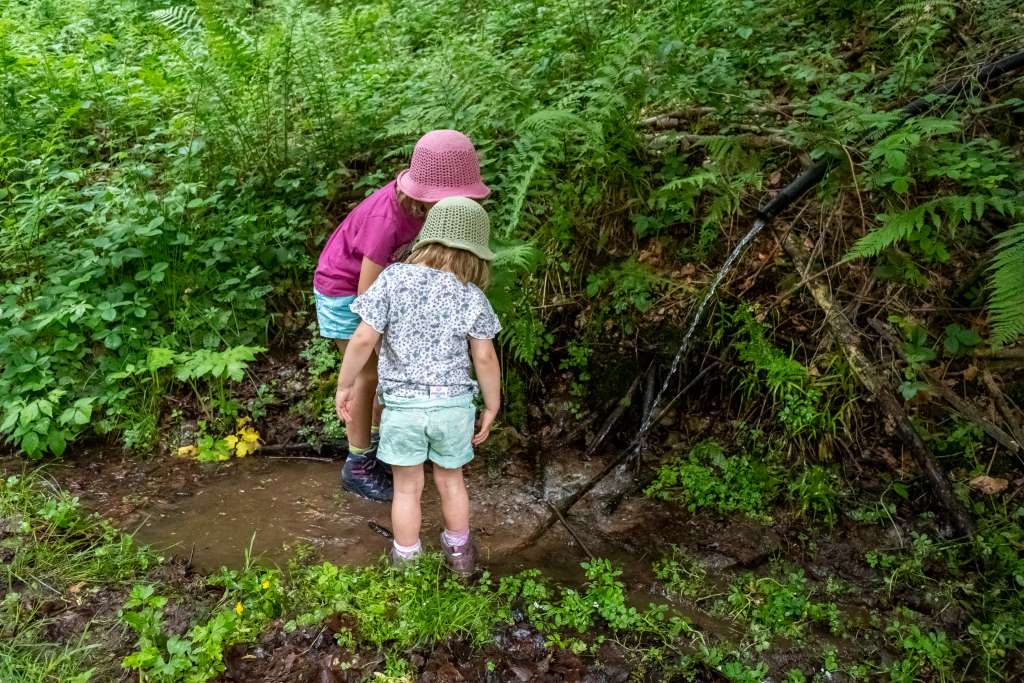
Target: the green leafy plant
(815, 494)
(681, 574)
(779, 606)
(802, 409)
(708, 478)
(925, 652)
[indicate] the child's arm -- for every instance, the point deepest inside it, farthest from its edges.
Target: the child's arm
(488, 374)
(358, 351)
(369, 271)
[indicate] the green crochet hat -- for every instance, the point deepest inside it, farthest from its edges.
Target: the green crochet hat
(459, 223)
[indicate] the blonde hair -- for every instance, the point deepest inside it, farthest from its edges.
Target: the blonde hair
(413, 207)
(466, 266)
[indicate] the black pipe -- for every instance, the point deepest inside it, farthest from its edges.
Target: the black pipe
(987, 76)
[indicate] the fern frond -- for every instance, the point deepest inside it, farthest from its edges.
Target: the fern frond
(896, 228)
(181, 21)
(235, 48)
(516, 255)
(1006, 304)
(551, 120)
(950, 210)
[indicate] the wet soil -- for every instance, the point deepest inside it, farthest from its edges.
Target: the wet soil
(214, 514)
(518, 653)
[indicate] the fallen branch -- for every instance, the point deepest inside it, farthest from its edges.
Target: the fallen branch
(620, 408)
(572, 532)
(972, 413)
(663, 140)
(565, 505)
(1012, 353)
(683, 117)
(1011, 416)
(965, 408)
(846, 337)
(675, 119)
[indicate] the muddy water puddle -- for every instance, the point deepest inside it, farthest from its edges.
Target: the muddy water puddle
(273, 506)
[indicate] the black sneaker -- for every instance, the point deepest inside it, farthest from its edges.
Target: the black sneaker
(368, 477)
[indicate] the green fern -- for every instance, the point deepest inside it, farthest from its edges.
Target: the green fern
(234, 48)
(181, 21)
(1006, 305)
(516, 255)
(895, 229)
(947, 212)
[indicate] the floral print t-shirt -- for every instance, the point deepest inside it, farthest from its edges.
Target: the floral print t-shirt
(426, 317)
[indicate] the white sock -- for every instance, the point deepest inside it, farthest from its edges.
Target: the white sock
(407, 552)
(456, 538)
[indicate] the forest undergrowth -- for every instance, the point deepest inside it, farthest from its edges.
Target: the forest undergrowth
(170, 171)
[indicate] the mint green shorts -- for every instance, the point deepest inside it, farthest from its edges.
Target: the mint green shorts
(413, 430)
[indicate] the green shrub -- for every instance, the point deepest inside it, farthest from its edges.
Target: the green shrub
(708, 478)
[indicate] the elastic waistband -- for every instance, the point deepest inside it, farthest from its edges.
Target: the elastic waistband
(403, 402)
(344, 298)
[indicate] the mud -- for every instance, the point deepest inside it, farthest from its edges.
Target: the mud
(516, 654)
(212, 515)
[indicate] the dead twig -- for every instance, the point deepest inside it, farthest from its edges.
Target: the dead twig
(962, 406)
(572, 532)
(1003, 405)
(630, 450)
(620, 408)
(269, 451)
(311, 458)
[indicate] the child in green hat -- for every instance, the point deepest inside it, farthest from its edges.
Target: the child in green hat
(435, 325)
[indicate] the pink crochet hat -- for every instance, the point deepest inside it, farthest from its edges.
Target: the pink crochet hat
(444, 164)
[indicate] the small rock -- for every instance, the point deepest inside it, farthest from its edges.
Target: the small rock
(714, 562)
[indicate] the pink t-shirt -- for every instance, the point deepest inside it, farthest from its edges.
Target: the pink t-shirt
(376, 229)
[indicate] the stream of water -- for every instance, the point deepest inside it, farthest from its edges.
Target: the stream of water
(696, 320)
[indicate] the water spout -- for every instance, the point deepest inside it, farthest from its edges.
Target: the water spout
(695, 322)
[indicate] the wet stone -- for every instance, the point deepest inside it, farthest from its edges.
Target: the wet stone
(521, 642)
(563, 476)
(747, 542)
(713, 561)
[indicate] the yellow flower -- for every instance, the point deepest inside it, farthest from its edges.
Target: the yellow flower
(238, 608)
(247, 441)
(187, 452)
(241, 422)
(265, 585)
(231, 440)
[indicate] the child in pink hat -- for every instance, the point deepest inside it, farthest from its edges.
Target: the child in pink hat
(444, 164)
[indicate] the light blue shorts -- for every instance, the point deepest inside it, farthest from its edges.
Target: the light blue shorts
(413, 430)
(335, 317)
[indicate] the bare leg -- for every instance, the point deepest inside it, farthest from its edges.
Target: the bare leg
(363, 399)
(454, 499)
(405, 508)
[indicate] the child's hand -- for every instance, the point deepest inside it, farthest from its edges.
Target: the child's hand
(483, 426)
(343, 403)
